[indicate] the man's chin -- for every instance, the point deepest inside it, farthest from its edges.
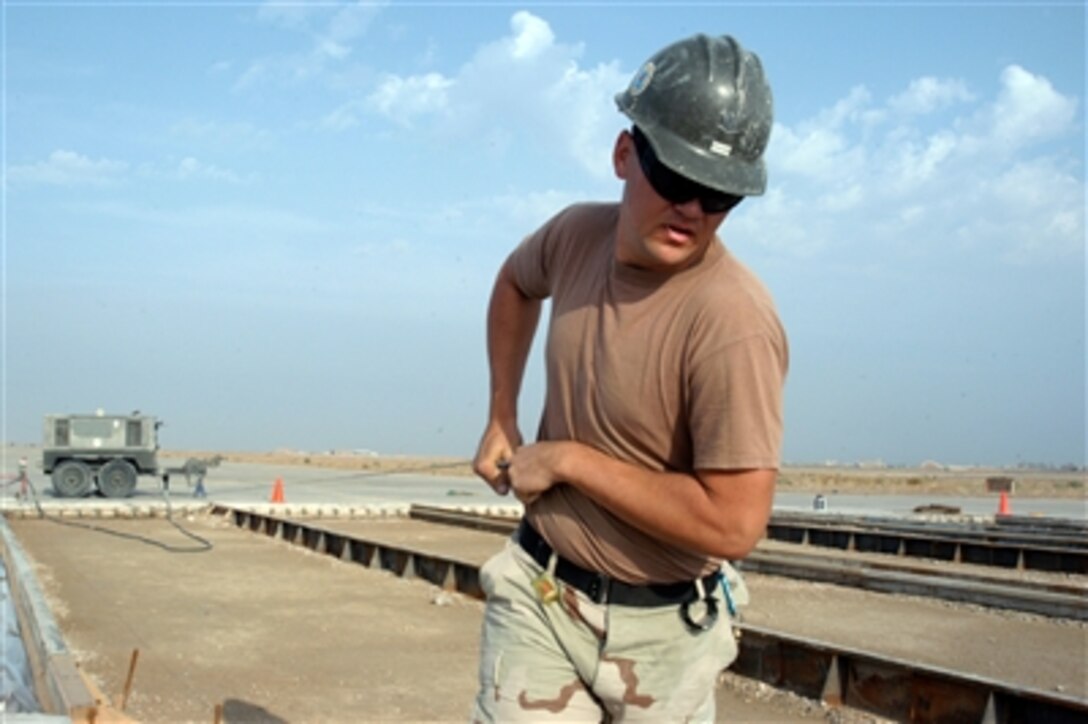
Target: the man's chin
(669, 255)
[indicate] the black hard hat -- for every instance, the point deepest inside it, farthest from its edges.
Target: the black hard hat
(706, 108)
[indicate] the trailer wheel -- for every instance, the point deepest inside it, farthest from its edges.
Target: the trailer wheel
(117, 479)
(72, 479)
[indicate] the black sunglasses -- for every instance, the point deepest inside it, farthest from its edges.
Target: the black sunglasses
(675, 188)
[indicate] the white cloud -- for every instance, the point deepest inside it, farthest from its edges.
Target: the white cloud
(402, 99)
(191, 169)
(815, 152)
(533, 36)
(819, 148)
(1040, 210)
(342, 118)
(853, 108)
(934, 164)
(917, 164)
(68, 168)
(926, 95)
(331, 49)
(331, 29)
(1029, 109)
(780, 221)
(559, 102)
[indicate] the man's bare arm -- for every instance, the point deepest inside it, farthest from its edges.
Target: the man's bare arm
(512, 320)
(720, 513)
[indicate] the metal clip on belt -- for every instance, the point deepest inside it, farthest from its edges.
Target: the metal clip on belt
(602, 589)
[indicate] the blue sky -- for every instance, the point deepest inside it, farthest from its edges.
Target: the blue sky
(277, 225)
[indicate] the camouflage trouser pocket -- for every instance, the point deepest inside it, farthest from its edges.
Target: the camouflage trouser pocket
(655, 667)
(526, 673)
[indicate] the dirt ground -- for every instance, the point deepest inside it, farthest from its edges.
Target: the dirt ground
(271, 634)
(274, 633)
(928, 481)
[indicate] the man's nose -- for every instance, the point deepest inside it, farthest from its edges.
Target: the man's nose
(691, 208)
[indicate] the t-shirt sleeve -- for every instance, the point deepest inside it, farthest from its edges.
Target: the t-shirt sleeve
(543, 260)
(534, 260)
(735, 403)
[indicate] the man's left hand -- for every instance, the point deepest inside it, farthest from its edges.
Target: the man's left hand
(534, 469)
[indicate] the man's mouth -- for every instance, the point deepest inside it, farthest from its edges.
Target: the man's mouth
(678, 234)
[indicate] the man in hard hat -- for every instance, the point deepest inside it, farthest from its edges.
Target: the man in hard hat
(659, 442)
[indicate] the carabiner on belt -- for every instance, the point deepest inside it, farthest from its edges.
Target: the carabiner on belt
(710, 615)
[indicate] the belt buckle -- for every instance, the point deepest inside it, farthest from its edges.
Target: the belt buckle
(598, 588)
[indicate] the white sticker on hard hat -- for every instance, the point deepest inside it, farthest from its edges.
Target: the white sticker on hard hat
(722, 149)
(642, 78)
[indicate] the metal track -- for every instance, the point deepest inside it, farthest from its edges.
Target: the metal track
(838, 676)
(1070, 602)
(1003, 529)
(1052, 599)
(1013, 550)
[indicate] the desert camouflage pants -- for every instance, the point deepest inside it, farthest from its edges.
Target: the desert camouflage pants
(575, 660)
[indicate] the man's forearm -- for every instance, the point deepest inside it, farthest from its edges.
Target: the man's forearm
(718, 513)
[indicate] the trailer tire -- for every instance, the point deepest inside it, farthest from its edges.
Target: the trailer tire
(73, 479)
(117, 479)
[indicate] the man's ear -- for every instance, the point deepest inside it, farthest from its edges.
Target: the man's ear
(623, 155)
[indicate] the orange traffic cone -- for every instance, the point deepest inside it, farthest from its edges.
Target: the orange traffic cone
(1003, 504)
(277, 491)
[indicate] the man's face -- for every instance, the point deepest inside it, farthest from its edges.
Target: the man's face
(655, 233)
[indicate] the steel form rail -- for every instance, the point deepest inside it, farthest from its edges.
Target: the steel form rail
(835, 675)
(977, 549)
(1076, 528)
(959, 573)
(1063, 602)
(1051, 599)
(1007, 529)
(448, 573)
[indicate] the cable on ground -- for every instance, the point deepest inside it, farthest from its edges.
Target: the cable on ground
(202, 544)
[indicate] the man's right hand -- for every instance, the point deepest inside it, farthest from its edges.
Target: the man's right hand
(494, 453)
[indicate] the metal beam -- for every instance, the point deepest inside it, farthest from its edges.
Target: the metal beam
(1008, 594)
(966, 547)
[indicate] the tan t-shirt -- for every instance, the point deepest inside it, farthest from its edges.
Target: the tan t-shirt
(670, 372)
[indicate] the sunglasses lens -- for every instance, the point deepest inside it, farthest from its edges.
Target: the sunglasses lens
(716, 203)
(675, 188)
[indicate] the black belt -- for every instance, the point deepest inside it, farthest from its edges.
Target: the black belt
(602, 589)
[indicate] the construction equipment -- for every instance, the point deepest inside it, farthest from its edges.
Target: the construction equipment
(83, 451)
